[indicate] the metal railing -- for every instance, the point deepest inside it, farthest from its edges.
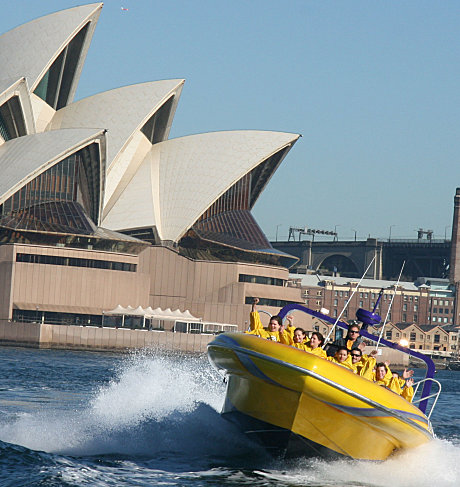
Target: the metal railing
(435, 394)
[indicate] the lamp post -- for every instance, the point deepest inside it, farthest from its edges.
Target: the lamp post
(277, 226)
(389, 235)
(335, 233)
(353, 230)
(445, 231)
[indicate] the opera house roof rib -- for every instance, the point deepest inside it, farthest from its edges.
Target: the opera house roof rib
(68, 167)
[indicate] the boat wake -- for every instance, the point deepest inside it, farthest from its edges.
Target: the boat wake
(162, 412)
(155, 407)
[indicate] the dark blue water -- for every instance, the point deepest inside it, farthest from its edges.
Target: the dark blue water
(81, 418)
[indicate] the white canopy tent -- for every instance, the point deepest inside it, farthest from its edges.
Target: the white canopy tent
(152, 314)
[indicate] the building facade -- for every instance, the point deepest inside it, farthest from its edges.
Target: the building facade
(92, 218)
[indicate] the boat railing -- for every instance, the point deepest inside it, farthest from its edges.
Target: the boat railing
(435, 394)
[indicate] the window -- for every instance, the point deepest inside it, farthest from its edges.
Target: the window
(437, 338)
(413, 336)
(404, 317)
(416, 318)
(404, 307)
(415, 307)
(435, 302)
(336, 293)
(360, 304)
(75, 262)
(335, 302)
(341, 294)
(277, 303)
(388, 334)
(366, 295)
(270, 281)
(435, 310)
(446, 311)
(397, 335)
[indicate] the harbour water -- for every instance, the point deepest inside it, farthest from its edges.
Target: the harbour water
(83, 418)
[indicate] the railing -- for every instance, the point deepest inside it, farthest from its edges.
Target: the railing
(435, 395)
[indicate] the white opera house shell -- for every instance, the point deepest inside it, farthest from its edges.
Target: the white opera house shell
(103, 167)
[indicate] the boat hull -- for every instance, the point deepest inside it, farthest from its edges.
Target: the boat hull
(296, 403)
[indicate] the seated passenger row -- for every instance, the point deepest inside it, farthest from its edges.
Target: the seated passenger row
(346, 352)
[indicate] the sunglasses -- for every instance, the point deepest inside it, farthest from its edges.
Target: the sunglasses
(354, 331)
(355, 355)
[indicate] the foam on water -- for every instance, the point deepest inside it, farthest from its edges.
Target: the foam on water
(435, 463)
(153, 404)
(159, 408)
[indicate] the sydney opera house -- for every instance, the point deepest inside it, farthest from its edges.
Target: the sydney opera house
(99, 208)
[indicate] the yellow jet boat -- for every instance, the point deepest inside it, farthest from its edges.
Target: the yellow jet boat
(298, 404)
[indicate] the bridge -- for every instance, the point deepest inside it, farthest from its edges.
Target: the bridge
(428, 258)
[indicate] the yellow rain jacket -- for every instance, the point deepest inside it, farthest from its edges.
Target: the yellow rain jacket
(259, 330)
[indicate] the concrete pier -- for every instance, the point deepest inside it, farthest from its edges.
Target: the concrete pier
(70, 337)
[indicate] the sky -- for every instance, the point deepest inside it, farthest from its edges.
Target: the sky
(372, 87)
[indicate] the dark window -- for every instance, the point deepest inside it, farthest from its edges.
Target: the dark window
(75, 262)
(12, 122)
(413, 336)
(56, 85)
(276, 303)
(271, 281)
(155, 128)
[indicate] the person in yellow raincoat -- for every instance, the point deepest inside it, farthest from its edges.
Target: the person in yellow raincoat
(342, 357)
(315, 345)
(359, 361)
(274, 331)
(299, 339)
(394, 383)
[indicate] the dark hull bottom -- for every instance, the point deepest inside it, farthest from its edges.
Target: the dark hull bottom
(279, 442)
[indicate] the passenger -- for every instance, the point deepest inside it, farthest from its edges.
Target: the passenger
(275, 330)
(315, 345)
(342, 357)
(351, 341)
(359, 362)
(298, 339)
(395, 384)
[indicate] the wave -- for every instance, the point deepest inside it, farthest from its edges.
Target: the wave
(154, 407)
(162, 412)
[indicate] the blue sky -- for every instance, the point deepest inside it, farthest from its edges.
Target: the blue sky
(372, 86)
